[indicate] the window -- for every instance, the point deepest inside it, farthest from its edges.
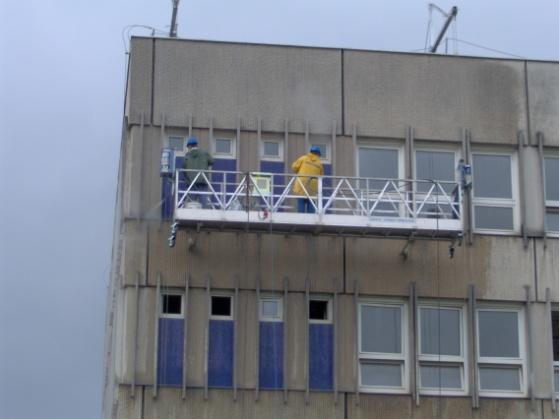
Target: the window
(221, 338)
(501, 363)
(494, 192)
(272, 150)
(442, 359)
(324, 151)
(555, 334)
(271, 343)
(552, 194)
(176, 143)
(170, 339)
(224, 148)
(320, 311)
(435, 165)
(271, 309)
(171, 305)
(383, 347)
(221, 307)
(381, 163)
(439, 166)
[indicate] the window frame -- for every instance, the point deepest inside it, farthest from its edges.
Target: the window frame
(182, 151)
(550, 204)
(512, 203)
(496, 362)
(219, 317)
(279, 157)
(555, 309)
(172, 315)
(382, 146)
(262, 317)
(384, 358)
(439, 148)
(329, 310)
(325, 157)
(445, 360)
(232, 155)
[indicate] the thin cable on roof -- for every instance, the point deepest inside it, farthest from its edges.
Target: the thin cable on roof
(127, 32)
(487, 48)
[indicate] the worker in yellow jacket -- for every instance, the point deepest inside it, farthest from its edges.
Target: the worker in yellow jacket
(308, 164)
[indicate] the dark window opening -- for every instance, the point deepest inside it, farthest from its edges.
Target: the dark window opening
(221, 306)
(172, 304)
(555, 330)
(318, 310)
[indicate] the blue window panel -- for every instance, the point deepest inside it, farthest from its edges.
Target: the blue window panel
(220, 354)
(229, 165)
(167, 198)
(270, 361)
(275, 167)
(326, 183)
(321, 356)
(170, 352)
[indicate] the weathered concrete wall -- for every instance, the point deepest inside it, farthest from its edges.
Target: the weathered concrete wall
(226, 256)
(547, 259)
(543, 90)
(136, 349)
(385, 93)
(139, 94)
(274, 83)
(499, 267)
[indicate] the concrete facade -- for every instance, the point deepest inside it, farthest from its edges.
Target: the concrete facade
(181, 87)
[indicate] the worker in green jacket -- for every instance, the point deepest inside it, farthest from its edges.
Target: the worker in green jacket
(197, 160)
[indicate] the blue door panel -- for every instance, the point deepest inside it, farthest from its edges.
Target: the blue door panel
(167, 198)
(270, 362)
(278, 180)
(321, 356)
(220, 353)
(170, 352)
(229, 165)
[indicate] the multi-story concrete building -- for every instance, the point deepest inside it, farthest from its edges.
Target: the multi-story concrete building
(409, 293)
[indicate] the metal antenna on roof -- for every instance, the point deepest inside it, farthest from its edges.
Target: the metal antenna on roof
(173, 31)
(450, 16)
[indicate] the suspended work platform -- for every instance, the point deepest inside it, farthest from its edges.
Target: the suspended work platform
(337, 204)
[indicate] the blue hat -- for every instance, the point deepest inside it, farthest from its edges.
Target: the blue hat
(315, 149)
(192, 141)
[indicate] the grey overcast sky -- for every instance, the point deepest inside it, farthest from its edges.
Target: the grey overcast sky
(61, 98)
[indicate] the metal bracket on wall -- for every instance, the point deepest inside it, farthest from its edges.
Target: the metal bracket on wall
(333, 157)
(185, 333)
(307, 304)
(356, 329)
(257, 339)
(540, 139)
(207, 335)
(235, 338)
(307, 135)
(156, 334)
(521, 145)
(335, 343)
(404, 251)
(141, 175)
(472, 309)
(549, 331)
(530, 350)
(415, 344)
(136, 327)
(285, 335)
